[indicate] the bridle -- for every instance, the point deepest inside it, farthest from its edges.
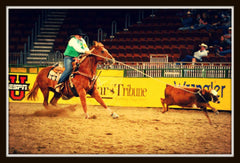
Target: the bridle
(108, 61)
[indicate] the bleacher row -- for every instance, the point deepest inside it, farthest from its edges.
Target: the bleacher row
(154, 35)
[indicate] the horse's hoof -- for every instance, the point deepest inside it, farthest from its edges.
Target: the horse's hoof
(92, 117)
(87, 117)
(114, 115)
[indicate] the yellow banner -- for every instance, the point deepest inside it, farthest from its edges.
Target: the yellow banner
(120, 91)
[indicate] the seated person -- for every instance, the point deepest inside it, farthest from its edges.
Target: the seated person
(187, 22)
(228, 35)
(202, 52)
(202, 22)
(215, 21)
(223, 47)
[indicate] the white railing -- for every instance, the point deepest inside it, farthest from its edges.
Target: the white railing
(176, 69)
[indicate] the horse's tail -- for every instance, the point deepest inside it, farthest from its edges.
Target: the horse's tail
(33, 92)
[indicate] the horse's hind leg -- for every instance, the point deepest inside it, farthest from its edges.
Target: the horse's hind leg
(45, 92)
(55, 98)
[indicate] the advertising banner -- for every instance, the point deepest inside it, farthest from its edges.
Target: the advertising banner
(120, 91)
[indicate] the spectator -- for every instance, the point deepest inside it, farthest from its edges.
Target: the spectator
(225, 21)
(215, 21)
(223, 47)
(227, 37)
(187, 21)
(197, 56)
(202, 21)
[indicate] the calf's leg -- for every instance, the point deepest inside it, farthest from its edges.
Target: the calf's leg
(163, 104)
(213, 109)
(206, 114)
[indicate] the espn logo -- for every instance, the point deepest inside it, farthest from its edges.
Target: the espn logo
(17, 90)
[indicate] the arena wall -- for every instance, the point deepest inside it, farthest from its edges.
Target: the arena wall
(117, 90)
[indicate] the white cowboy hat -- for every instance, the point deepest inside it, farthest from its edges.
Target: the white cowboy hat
(204, 45)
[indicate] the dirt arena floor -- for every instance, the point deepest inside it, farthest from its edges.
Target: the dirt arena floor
(63, 130)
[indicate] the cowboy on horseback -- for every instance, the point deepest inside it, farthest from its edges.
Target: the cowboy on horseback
(76, 47)
(81, 83)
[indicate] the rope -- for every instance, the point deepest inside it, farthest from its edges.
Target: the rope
(143, 73)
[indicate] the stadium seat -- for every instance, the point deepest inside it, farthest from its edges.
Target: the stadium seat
(137, 57)
(145, 57)
(129, 57)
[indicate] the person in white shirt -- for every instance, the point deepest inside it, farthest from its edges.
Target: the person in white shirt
(202, 52)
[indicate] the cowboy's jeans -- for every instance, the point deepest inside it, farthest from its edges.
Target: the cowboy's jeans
(68, 69)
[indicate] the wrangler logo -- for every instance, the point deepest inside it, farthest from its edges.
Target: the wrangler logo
(17, 90)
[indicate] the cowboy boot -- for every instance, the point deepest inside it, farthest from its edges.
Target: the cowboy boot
(58, 87)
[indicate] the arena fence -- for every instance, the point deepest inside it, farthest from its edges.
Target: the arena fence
(156, 70)
(177, 69)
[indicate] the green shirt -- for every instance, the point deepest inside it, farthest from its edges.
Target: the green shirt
(76, 47)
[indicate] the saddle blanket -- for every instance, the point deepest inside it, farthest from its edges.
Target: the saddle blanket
(55, 73)
(54, 76)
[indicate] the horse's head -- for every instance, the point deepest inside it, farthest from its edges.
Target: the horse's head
(102, 54)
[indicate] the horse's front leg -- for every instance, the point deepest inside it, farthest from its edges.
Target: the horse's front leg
(98, 98)
(82, 95)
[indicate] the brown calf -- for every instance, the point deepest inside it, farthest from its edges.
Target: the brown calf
(190, 97)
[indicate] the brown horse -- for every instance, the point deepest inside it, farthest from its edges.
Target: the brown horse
(82, 80)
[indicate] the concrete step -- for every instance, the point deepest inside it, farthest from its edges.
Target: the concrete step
(49, 29)
(43, 43)
(42, 47)
(40, 50)
(48, 33)
(46, 36)
(56, 15)
(51, 25)
(37, 58)
(46, 39)
(53, 22)
(55, 19)
(38, 54)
